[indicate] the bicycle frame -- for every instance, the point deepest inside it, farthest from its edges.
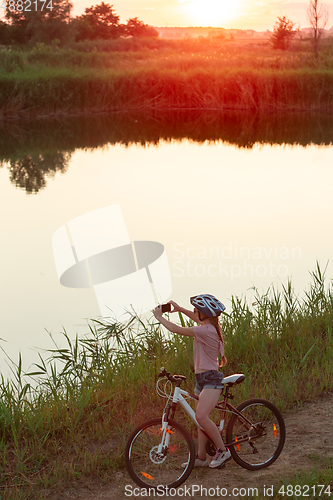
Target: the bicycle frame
(162, 451)
(178, 397)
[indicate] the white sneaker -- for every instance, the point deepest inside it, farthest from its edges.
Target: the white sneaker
(220, 458)
(198, 463)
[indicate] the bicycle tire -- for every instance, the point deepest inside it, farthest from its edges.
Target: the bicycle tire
(267, 433)
(149, 469)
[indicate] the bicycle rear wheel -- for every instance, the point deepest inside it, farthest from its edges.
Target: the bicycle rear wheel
(150, 469)
(264, 438)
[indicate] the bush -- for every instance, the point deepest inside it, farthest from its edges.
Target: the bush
(283, 32)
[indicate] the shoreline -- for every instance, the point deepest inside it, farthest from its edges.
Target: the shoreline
(15, 117)
(69, 93)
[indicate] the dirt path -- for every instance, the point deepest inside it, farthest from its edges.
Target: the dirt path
(309, 442)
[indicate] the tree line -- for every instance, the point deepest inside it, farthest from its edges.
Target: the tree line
(47, 20)
(53, 20)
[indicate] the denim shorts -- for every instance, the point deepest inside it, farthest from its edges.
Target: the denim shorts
(211, 379)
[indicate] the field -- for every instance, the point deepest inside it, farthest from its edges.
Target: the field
(126, 75)
(65, 423)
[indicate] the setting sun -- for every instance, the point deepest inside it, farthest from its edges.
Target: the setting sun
(211, 12)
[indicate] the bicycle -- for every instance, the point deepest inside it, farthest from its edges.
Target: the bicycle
(160, 453)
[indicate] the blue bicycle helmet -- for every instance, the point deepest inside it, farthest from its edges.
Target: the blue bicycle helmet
(207, 304)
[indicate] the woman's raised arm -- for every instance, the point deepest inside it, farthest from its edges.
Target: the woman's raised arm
(187, 312)
(172, 327)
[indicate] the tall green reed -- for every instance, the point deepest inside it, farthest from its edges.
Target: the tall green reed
(283, 340)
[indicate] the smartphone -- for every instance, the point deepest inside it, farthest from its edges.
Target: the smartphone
(166, 308)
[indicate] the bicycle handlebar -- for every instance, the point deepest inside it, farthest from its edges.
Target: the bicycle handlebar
(176, 379)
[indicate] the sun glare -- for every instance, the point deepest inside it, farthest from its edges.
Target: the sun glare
(211, 12)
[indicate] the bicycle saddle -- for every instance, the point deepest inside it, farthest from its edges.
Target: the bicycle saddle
(234, 379)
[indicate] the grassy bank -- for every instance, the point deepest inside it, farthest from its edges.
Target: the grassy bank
(71, 428)
(63, 91)
(186, 74)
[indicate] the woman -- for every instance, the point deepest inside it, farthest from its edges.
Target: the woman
(208, 341)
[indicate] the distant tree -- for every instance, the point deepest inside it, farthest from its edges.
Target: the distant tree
(56, 24)
(137, 28)
(4, 33)
(98, 21)
(83, 29)
(17, 26)
(283, 32)
(317, 15)
(41, 25)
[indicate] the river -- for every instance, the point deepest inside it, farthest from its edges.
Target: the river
(235, 201)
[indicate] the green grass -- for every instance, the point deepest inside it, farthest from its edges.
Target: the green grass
(68, 418)
(129, 75)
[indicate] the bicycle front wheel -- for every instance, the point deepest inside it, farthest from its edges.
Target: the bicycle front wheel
(151, 465)
(258, 443)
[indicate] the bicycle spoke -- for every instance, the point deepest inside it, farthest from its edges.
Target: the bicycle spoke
(260, 444)
(151, 465)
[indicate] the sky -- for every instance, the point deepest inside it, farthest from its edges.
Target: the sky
(259, 15)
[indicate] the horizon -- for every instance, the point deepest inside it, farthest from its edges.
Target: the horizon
(234, 28)
(238, 15)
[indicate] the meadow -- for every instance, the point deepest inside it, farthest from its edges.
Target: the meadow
(65, 421)
(156, 74)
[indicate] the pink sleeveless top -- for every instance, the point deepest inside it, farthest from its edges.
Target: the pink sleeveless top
(206, 347)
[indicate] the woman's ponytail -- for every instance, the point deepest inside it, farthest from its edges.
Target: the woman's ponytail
(216, 323)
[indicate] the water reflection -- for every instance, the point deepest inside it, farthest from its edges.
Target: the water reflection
(30, 172)
(265, 215)
(34, 150)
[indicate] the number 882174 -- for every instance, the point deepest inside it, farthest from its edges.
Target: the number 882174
(26, 5)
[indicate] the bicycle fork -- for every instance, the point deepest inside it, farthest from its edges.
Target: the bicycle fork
(166, 433)
(169, 413)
